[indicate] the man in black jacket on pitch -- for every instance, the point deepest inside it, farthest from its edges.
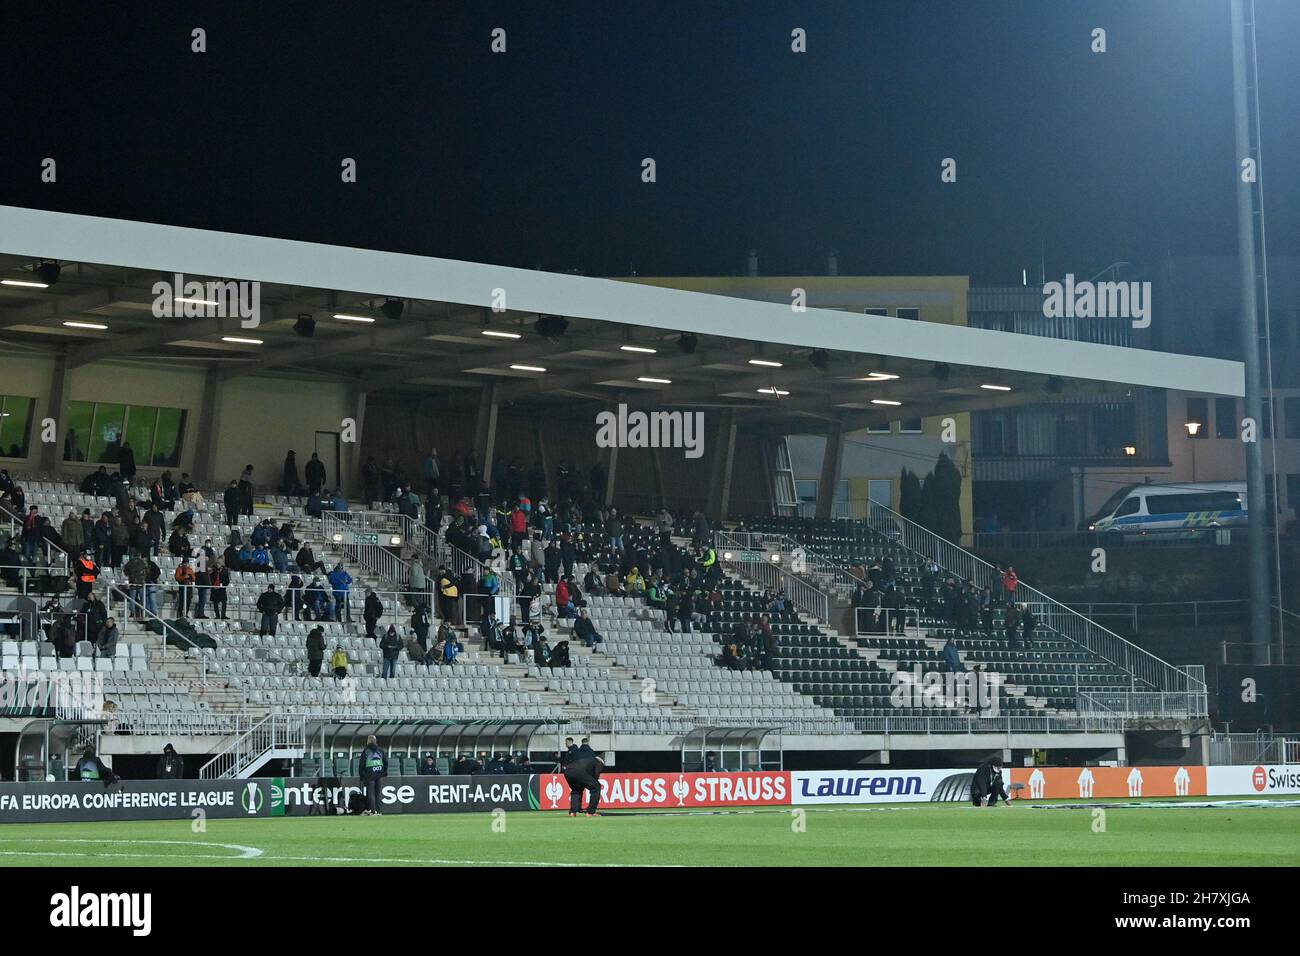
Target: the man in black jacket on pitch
(986, 787)
(582, 772)
(170, 765)
(374, 767)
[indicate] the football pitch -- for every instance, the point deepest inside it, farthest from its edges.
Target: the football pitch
(1156, 833)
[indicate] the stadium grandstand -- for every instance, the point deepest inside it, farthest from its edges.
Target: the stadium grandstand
(450, 483)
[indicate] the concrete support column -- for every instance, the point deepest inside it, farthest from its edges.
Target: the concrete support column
(539, 444)
(350, 466)
(56, 407)
(485, 432)
(720, 467)
(611, 470)
(832, 458)
(204, 465)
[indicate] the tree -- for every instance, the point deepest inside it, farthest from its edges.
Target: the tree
(946, 515)
(909, 495)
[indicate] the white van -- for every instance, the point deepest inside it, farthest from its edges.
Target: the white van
(1188, 508)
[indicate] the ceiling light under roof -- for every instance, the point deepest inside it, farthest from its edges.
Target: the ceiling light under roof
(494, 334)
(655, 381)
(878, 377)
(638, 348)
(996, 388)
(25, 284)
(74, 324)
(528, 368)
(766, 363)
(771, 391)
(240, 340)
(884, 401)
(344, 317)
(193, 301)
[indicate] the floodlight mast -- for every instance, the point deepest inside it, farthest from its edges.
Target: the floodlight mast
(1257, 503)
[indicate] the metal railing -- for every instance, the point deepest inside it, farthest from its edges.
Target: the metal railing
(271, 733)
(1253, 749)
(1146, 667)
(772, 575)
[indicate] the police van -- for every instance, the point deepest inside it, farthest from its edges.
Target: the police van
(1184, 510)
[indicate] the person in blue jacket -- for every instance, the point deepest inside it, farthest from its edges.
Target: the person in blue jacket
(340, 581)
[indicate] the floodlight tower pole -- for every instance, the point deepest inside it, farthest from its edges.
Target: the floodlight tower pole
(1260, 602)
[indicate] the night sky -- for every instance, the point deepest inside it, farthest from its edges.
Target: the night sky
(533, 157)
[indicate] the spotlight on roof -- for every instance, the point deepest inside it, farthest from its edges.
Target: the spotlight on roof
(48, 272)
(392, 308)
(819, 359)
(305, 326)
(1054, 384)
(687, 343)
(940, 371)
(551, 326)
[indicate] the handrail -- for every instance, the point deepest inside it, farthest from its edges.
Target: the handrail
(770, 574)
(123, 593)
(273, 732)
(15, 532)
(1157, 673)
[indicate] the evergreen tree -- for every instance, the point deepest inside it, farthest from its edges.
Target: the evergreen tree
(909, 495)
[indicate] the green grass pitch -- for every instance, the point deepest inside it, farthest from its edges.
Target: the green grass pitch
(922, 835)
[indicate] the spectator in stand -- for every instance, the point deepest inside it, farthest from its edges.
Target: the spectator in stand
(306, 561)
(391, 648)
(246, 491)
(71, 533)
(126, 461)
(339, 663)
(338, 502)
(31, 533)
(614, 585)
(1028, 623)
(951, 659)
(419, 583)
(185, 579)
(289, 483)
(341, 581)
(635, 582)
(315, 650)
(1010, 582)
(986, 611)
(269, 605)
(585, 631)
(1011, 624)
(218, 579)
(314, 472)
(448, 595)
(106, 640)
(232, 499)
(372, 611)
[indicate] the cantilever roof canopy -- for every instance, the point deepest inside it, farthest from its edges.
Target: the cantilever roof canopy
(622, 337)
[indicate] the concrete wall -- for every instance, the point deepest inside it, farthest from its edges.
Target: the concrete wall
(258, 419)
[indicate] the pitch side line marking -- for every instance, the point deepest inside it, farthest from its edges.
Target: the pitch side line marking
(244, 852)
(253, 853)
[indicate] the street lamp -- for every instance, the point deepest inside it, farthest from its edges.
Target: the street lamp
(1192, 429)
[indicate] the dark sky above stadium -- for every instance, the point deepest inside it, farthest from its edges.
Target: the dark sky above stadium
(533, 157)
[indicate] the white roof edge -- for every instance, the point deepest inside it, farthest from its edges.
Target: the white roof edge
(141, 245)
